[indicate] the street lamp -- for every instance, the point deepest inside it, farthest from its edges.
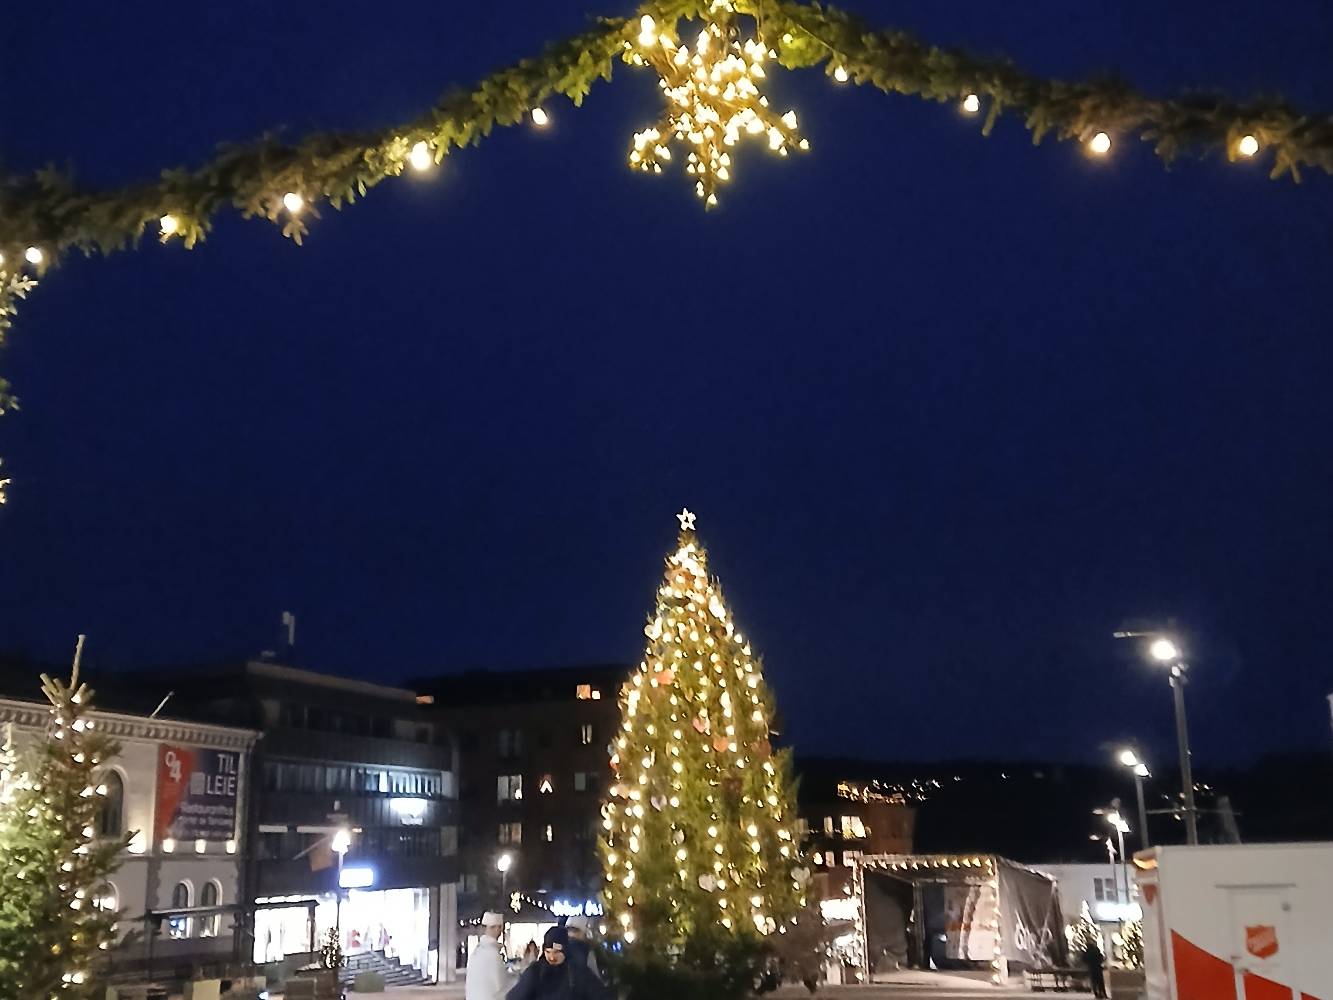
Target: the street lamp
(502, 864)
(340, 845)
(1132, 760)
(1165, 651)
(1121, 828)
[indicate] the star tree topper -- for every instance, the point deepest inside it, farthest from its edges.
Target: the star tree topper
(712, 98)
(686, 519)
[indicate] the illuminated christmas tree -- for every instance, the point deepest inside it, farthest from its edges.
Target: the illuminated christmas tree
(700, 823)
(52, 863)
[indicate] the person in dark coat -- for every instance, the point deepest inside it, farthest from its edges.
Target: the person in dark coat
(553, 977)
(1092, 958)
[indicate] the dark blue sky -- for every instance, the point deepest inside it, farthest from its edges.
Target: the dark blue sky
(950, 408)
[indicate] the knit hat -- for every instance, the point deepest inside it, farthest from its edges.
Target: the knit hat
(492, 919)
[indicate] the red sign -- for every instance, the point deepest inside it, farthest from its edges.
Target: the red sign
(196, 793)
(1261, 941)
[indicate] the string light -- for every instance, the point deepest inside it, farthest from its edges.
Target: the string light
(1100, 144)
(34, 255)
(971, 104)
(420, 157)
(840, 74)
(1247, 146)
(540, 118)
(293, 202)
(170, 225)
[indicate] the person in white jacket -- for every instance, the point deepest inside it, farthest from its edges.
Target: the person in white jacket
(487, 978)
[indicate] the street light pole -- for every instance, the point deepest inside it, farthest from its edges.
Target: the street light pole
(1132, 760)
(340, 844)
(1183, 747)
(1164, 650)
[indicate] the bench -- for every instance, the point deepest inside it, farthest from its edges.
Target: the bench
(1057, 980)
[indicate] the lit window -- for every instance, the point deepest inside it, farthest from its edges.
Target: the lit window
(511, 833)
(853, 828)
(109, 819)
(828, 824)
(179, 927)
(818, 858)
(583, 692)
(545, 786)
(585, 734)
(509, 788)
(548, 834)
(209, 923)
(848, 857)
(596, 695)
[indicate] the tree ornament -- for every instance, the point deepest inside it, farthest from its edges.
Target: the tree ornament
(720, 743)
(707, 883)
(712, 102)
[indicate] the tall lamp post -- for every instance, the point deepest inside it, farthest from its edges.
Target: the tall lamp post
(340, 845)
(1132, 760)
(1121, 828)
(1164, 650)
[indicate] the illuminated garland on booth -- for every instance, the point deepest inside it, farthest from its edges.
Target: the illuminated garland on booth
(709, 78)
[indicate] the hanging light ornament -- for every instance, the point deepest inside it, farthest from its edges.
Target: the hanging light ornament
(713, 100)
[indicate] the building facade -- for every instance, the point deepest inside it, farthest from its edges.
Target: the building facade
(534, 761)
(844, 813)
(180, 789)
(1111, 892)
(351, 760)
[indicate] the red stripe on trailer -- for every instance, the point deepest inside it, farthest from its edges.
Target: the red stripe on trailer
(1200, 975)
(1259, 988)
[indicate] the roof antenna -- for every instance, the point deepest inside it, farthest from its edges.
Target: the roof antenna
(161, 705)
(289, 623)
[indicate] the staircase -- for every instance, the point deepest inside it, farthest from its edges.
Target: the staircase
(395, 973)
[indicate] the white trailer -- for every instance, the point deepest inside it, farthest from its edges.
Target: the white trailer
(1237, 922)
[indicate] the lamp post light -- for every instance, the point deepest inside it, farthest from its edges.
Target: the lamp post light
(1164, 650)
(1121, 828)
(502, 864)
(340, 845)
(1135, 763)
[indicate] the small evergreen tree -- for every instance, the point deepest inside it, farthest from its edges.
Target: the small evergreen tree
(52, 863)
(1083, 933)
(1131, 943)
(700, 851)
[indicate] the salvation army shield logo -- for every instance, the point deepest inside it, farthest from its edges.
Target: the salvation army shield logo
(1261, 941)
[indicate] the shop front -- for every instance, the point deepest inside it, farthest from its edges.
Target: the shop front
(393, 922)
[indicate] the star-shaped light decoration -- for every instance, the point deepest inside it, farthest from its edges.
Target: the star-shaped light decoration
(686, 519)
(712, 99)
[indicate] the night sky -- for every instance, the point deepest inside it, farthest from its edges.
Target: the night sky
(950, 409)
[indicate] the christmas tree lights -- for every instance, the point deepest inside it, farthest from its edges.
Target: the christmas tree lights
(700, 824)
(53, 923)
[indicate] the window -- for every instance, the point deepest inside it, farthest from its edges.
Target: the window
(586, 692)
(511, 833)
(1106, 890)
(110, 821)
(546, 786)
(548, 834)
(817, 857)
(179, 927)
(828, 825)
(467, 882)
(210, 895)
(803, 826)
(580, 781)
(510, 742)
(585, 734)
(106, 898)
(848, 857)
(509, 788)
(853, 828)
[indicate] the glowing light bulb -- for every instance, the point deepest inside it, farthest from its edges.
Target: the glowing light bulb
(293, 202)
(170, 225)
(1248, 146)
(420, 157)
(1100, 144)
(540, 118)
(971, 104)
(34, 255)
(840, 75)
(647, 31)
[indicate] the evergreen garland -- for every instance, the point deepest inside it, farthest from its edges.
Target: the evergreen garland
(52, 863)
(46, 214)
